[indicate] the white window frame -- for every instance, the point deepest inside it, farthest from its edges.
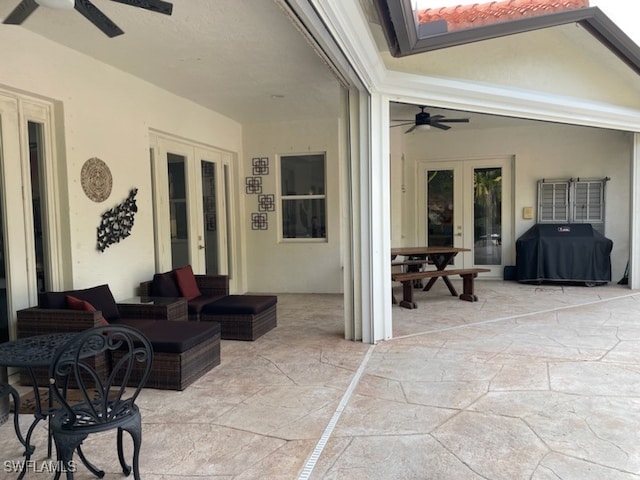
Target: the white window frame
(283, 197)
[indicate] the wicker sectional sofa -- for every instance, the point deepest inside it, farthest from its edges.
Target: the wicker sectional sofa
(241, 317)
(183, 351)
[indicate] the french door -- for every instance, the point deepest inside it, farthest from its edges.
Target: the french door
(467, 204)
(192, 204)
(29, 216)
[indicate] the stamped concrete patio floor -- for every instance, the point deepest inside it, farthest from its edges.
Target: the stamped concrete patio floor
(531, 382)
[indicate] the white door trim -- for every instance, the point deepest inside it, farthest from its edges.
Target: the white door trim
(16, 110)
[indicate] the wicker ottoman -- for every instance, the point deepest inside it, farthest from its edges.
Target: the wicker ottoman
(242, 317)
(182, 352)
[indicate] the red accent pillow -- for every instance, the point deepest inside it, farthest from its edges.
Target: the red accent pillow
(76, 304)
(186, 281)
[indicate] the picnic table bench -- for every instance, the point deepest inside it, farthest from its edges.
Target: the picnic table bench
(407, 279)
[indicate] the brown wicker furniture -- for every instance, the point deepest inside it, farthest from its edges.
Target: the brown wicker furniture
(241, 317)
(183, 351)
(212, 287)
(162, 308)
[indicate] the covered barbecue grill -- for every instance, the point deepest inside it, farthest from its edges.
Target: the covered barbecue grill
(563, 253)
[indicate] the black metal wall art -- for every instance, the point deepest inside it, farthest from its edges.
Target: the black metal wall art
(117, 223)
(266, 203)
(253, 185)
(260, 165)
(259, 221)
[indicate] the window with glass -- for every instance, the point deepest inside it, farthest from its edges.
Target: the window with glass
(487, 216)
(303, 194)
(178, 210)
(440, 201)
(416, 26)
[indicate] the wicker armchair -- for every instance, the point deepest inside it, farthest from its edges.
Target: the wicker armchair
(41, 321)
(208, 285)
(183, 351)
(212, 287)
(241, 317)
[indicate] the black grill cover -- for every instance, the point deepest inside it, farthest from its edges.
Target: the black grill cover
(563, 253)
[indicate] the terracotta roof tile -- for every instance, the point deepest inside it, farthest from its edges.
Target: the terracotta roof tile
(480, 14)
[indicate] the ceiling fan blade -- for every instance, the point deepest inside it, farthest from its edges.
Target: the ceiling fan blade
(154, 5)
(99, 19)
(411, 129)
(21, 12)
(441, 127)
(402, 124)
(454, 120)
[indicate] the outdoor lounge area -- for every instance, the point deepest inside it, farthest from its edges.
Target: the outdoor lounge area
(292, 146)
(529, 382)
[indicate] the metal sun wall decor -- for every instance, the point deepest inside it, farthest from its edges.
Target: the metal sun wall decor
(266, 203)
(95, 178)
(117, 222)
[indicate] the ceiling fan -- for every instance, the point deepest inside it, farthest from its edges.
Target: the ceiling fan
(86, 8)
(424, 121)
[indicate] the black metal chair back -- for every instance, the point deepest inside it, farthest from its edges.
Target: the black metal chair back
(104, 401)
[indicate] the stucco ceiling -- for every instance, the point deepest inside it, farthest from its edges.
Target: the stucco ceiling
(243, 59)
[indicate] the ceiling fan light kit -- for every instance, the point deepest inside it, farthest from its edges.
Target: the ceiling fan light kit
(57, 4)
(92, 13)
(424, 121)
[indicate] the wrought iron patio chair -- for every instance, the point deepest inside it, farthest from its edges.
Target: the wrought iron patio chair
(107, 401)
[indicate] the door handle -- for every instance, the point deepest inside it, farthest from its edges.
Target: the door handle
(200, 247)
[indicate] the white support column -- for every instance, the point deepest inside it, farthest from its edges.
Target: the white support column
(356, 142)
(634, 230)
(361, 205)
(379, 224)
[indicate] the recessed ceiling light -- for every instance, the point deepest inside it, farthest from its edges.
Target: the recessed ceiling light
(276, 96)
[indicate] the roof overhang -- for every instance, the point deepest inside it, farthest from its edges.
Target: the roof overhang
(404, 39)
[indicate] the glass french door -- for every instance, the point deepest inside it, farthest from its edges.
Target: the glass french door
(193, 183)
(215, 207)
(178, 213)
(468, 205)
(29, 232)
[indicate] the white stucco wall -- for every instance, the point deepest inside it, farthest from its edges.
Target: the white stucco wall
(106, 113)
(564, 60)
(541, 150)
(281, 265)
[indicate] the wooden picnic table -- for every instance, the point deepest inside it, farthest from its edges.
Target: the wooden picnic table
(440, 257)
